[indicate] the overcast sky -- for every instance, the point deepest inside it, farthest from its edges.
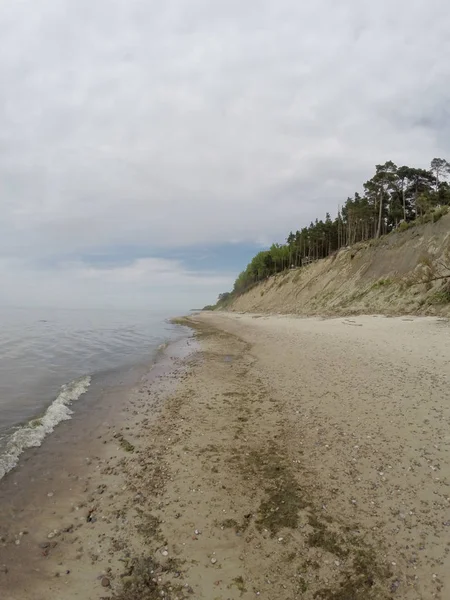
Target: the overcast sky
(149, 147)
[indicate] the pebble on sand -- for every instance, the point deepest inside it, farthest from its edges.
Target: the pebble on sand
(52, 534)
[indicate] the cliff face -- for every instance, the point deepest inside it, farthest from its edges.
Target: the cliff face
(397, 274)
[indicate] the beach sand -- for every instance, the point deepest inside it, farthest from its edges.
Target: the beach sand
(286, 458)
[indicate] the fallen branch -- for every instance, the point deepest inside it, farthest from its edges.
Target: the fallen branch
(430, 280)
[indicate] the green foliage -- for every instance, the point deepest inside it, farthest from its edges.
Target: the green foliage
(382, 283)
(439, 213)
(224, 297)
(432, 216)
(405, 225)
(395, 199)
(440, 297)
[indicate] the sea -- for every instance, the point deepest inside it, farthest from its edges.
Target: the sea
(49, 358)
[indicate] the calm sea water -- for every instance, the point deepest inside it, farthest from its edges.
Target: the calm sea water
(49, 357)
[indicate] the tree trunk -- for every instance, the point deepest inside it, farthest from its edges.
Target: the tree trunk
(380, 213)
(404, 202)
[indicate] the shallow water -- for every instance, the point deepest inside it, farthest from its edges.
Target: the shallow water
(48, 359)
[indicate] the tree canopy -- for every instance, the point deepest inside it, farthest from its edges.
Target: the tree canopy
(392, 197)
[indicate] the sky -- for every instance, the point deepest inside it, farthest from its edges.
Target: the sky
(148, 148)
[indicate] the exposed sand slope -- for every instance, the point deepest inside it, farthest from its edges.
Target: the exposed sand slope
(379, 276)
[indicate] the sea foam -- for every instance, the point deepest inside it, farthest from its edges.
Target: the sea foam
(33, 433)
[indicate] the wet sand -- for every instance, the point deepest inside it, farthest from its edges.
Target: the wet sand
(55, 540)
(292, 458)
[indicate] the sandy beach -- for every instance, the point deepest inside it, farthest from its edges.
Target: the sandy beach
(283, 458)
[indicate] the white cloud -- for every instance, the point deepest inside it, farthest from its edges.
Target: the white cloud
(141, 284)
(182, 122)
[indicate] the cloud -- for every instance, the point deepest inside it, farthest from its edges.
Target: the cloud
(142, 283)
(178, 124)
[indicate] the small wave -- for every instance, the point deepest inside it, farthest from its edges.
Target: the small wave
(33, 433)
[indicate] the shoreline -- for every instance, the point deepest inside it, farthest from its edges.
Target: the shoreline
(38, 396)
(289, 458)
(46, 498)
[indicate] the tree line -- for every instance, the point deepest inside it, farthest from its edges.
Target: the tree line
(394, 197)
